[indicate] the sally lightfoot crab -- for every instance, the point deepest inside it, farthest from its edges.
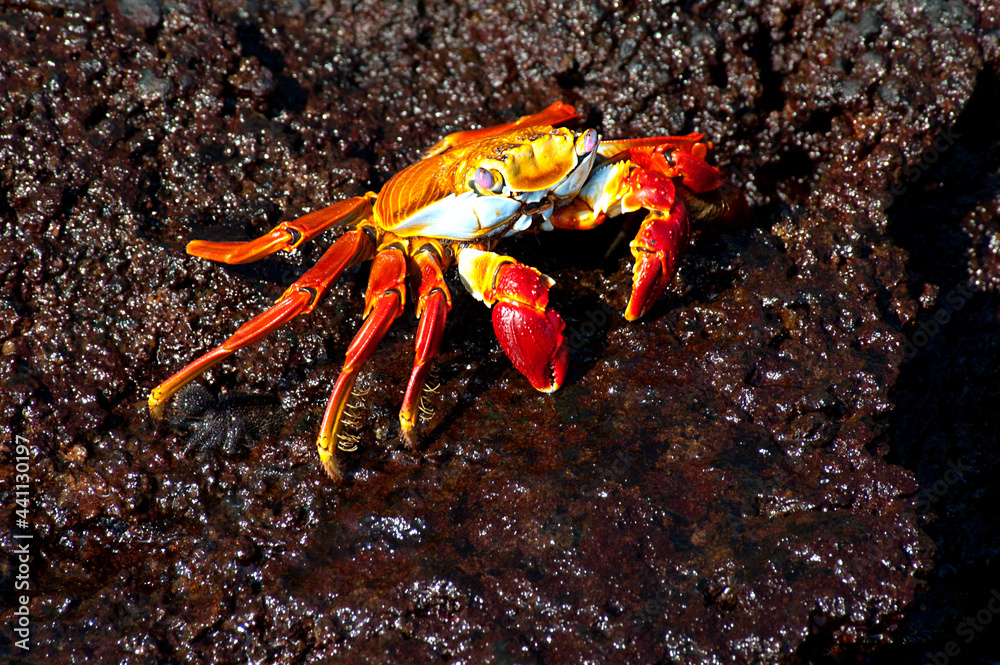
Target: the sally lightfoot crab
(468, 192)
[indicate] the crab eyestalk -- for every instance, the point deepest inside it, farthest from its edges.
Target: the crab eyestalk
(530, 332)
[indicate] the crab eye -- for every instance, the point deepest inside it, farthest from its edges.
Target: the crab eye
(488, 180)
(587, 142)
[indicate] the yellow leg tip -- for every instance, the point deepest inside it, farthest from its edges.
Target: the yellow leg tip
(328, 458)
(155, 405)
(406, 429)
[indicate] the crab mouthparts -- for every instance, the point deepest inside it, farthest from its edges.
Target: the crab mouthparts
(537, 207)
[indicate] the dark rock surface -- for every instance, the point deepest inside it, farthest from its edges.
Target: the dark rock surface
(760, 471)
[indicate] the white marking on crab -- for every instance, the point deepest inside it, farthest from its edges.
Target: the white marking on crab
(522, 224)
(466, 216)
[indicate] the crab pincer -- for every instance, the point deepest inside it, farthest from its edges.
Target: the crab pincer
(529, 330)
(659, 245)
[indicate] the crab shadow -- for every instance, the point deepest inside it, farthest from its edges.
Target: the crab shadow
(593, 273)
(229, 422)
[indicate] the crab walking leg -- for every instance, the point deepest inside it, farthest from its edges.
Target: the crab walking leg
(433, 305)
(554, 114)
(285, 236)
(659, 246)
(383, 303)
(530, 332)
(690, 143)
(300, 298)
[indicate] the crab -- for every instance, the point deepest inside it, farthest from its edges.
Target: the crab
(453, 207)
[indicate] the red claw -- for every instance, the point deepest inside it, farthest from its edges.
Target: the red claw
(530, 331)
(653, 190)
(658, 249)
(533, 341)
(697, 175)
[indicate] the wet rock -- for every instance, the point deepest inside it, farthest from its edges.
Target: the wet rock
(144, 13)
(153, 88)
